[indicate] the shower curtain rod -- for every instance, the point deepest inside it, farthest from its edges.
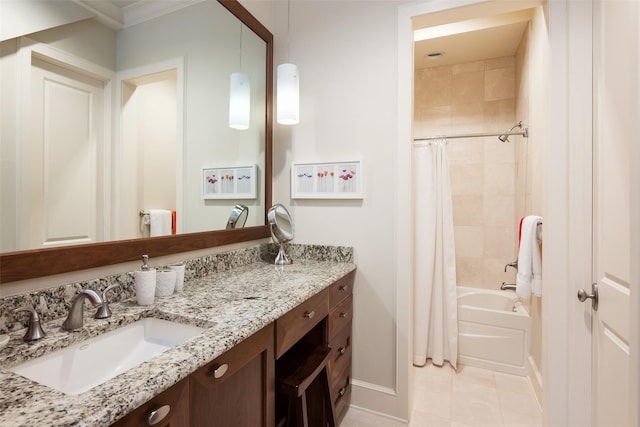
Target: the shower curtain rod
(524, 133)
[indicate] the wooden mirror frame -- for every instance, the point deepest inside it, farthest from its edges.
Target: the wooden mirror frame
(29, 264)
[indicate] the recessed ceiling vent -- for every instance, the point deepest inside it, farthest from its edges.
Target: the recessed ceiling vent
(433, 55)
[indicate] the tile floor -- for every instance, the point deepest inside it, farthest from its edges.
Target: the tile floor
(472, 397)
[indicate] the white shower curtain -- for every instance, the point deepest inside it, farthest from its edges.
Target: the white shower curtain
(435, 328)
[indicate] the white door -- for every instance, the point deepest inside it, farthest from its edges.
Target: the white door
(615, 74)
(62, 182)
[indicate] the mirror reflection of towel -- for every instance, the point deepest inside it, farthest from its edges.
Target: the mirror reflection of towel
(160, 222)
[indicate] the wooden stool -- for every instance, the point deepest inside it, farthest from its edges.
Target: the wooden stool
(303, 366)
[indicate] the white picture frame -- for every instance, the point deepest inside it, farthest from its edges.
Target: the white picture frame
(230, 182)
(327, 180)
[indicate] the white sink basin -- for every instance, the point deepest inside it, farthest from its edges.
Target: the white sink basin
(80, 367)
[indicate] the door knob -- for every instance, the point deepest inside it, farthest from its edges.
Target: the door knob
(583, 296)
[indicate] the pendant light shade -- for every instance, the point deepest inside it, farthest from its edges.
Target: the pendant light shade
(288, 95)
(239, 101)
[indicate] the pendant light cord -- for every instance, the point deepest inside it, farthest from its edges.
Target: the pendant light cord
(288, 28)
(241, 25)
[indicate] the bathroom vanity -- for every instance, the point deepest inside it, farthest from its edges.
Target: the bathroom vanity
(251, 316)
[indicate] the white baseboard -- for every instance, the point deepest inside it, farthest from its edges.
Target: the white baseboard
(386, 401)
(535, 378)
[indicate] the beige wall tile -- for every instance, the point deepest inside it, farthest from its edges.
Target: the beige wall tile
(468, 67)
(469, 241)
(467, 118)
(435, 86)
(499, 115)
(499, 242)
(467, 88)
(498, 152)
(504, 62)
(498, 211)
(467, 210)
(466, 179)
(434, 121)
(469, 271)
(499, 84)
(499, 180)
(466, 151)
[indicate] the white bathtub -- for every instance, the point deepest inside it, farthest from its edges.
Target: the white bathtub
(490, 334)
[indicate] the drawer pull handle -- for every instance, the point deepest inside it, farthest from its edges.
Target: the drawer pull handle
(220, 371)
(158, 415)
(342, 350)
(344, 288)
(343, 315)
(309, 314)
(342, 391)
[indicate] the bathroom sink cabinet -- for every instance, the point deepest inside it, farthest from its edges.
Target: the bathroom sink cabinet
(176, 398)
(238, 388)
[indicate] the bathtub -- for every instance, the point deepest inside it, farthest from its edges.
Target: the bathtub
(493, 330)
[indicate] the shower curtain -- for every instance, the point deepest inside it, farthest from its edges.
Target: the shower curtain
(435, 328)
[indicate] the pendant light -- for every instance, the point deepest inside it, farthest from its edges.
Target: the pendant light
(288, 96)
(239, 97)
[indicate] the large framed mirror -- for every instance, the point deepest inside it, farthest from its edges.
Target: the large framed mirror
(142, 159)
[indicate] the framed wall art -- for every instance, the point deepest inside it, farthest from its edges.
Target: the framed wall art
(333, 180)
(235, 182)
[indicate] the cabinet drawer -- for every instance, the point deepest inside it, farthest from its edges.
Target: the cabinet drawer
(174, 399)
(300, 320)
(341, 289)
(340, 358)
(341, 397)
(340, 316)
(228, 363)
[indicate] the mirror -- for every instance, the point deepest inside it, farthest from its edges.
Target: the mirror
(206, 126)
(238, 217)
(281, 225)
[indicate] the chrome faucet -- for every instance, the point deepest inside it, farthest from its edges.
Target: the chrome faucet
(104, 311)
(508, 286)
(34, 330)
(75, 318)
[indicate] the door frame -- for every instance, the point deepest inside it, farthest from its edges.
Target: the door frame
(567, 257)
(566, 375)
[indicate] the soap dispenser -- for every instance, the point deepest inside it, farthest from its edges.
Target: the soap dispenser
(145, 282)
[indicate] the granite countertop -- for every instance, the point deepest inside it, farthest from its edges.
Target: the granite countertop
(230, 305)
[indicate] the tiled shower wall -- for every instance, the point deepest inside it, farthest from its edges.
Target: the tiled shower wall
(465, 98)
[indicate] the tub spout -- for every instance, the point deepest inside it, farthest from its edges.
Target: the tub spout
(508, 286)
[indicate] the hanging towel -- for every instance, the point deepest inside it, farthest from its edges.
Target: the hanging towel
(529, 279)
(160, 220)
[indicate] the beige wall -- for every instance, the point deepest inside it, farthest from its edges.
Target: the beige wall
(465, 98)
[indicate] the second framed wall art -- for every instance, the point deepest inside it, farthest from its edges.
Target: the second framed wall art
(333, 180)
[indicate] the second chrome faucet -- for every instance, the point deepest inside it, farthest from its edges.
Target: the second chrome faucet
(75, 319)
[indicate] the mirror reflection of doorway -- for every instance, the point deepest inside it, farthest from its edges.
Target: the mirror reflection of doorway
(150, 149)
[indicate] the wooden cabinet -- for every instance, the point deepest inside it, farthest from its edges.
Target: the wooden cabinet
(168, 409)
(339, 338)
(296, 323)
(234, 390)
(237, 388)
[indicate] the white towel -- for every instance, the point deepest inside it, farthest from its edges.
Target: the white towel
(160, 222)
(529, 279)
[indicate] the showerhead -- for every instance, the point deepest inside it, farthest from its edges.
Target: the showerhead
(505, 137)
